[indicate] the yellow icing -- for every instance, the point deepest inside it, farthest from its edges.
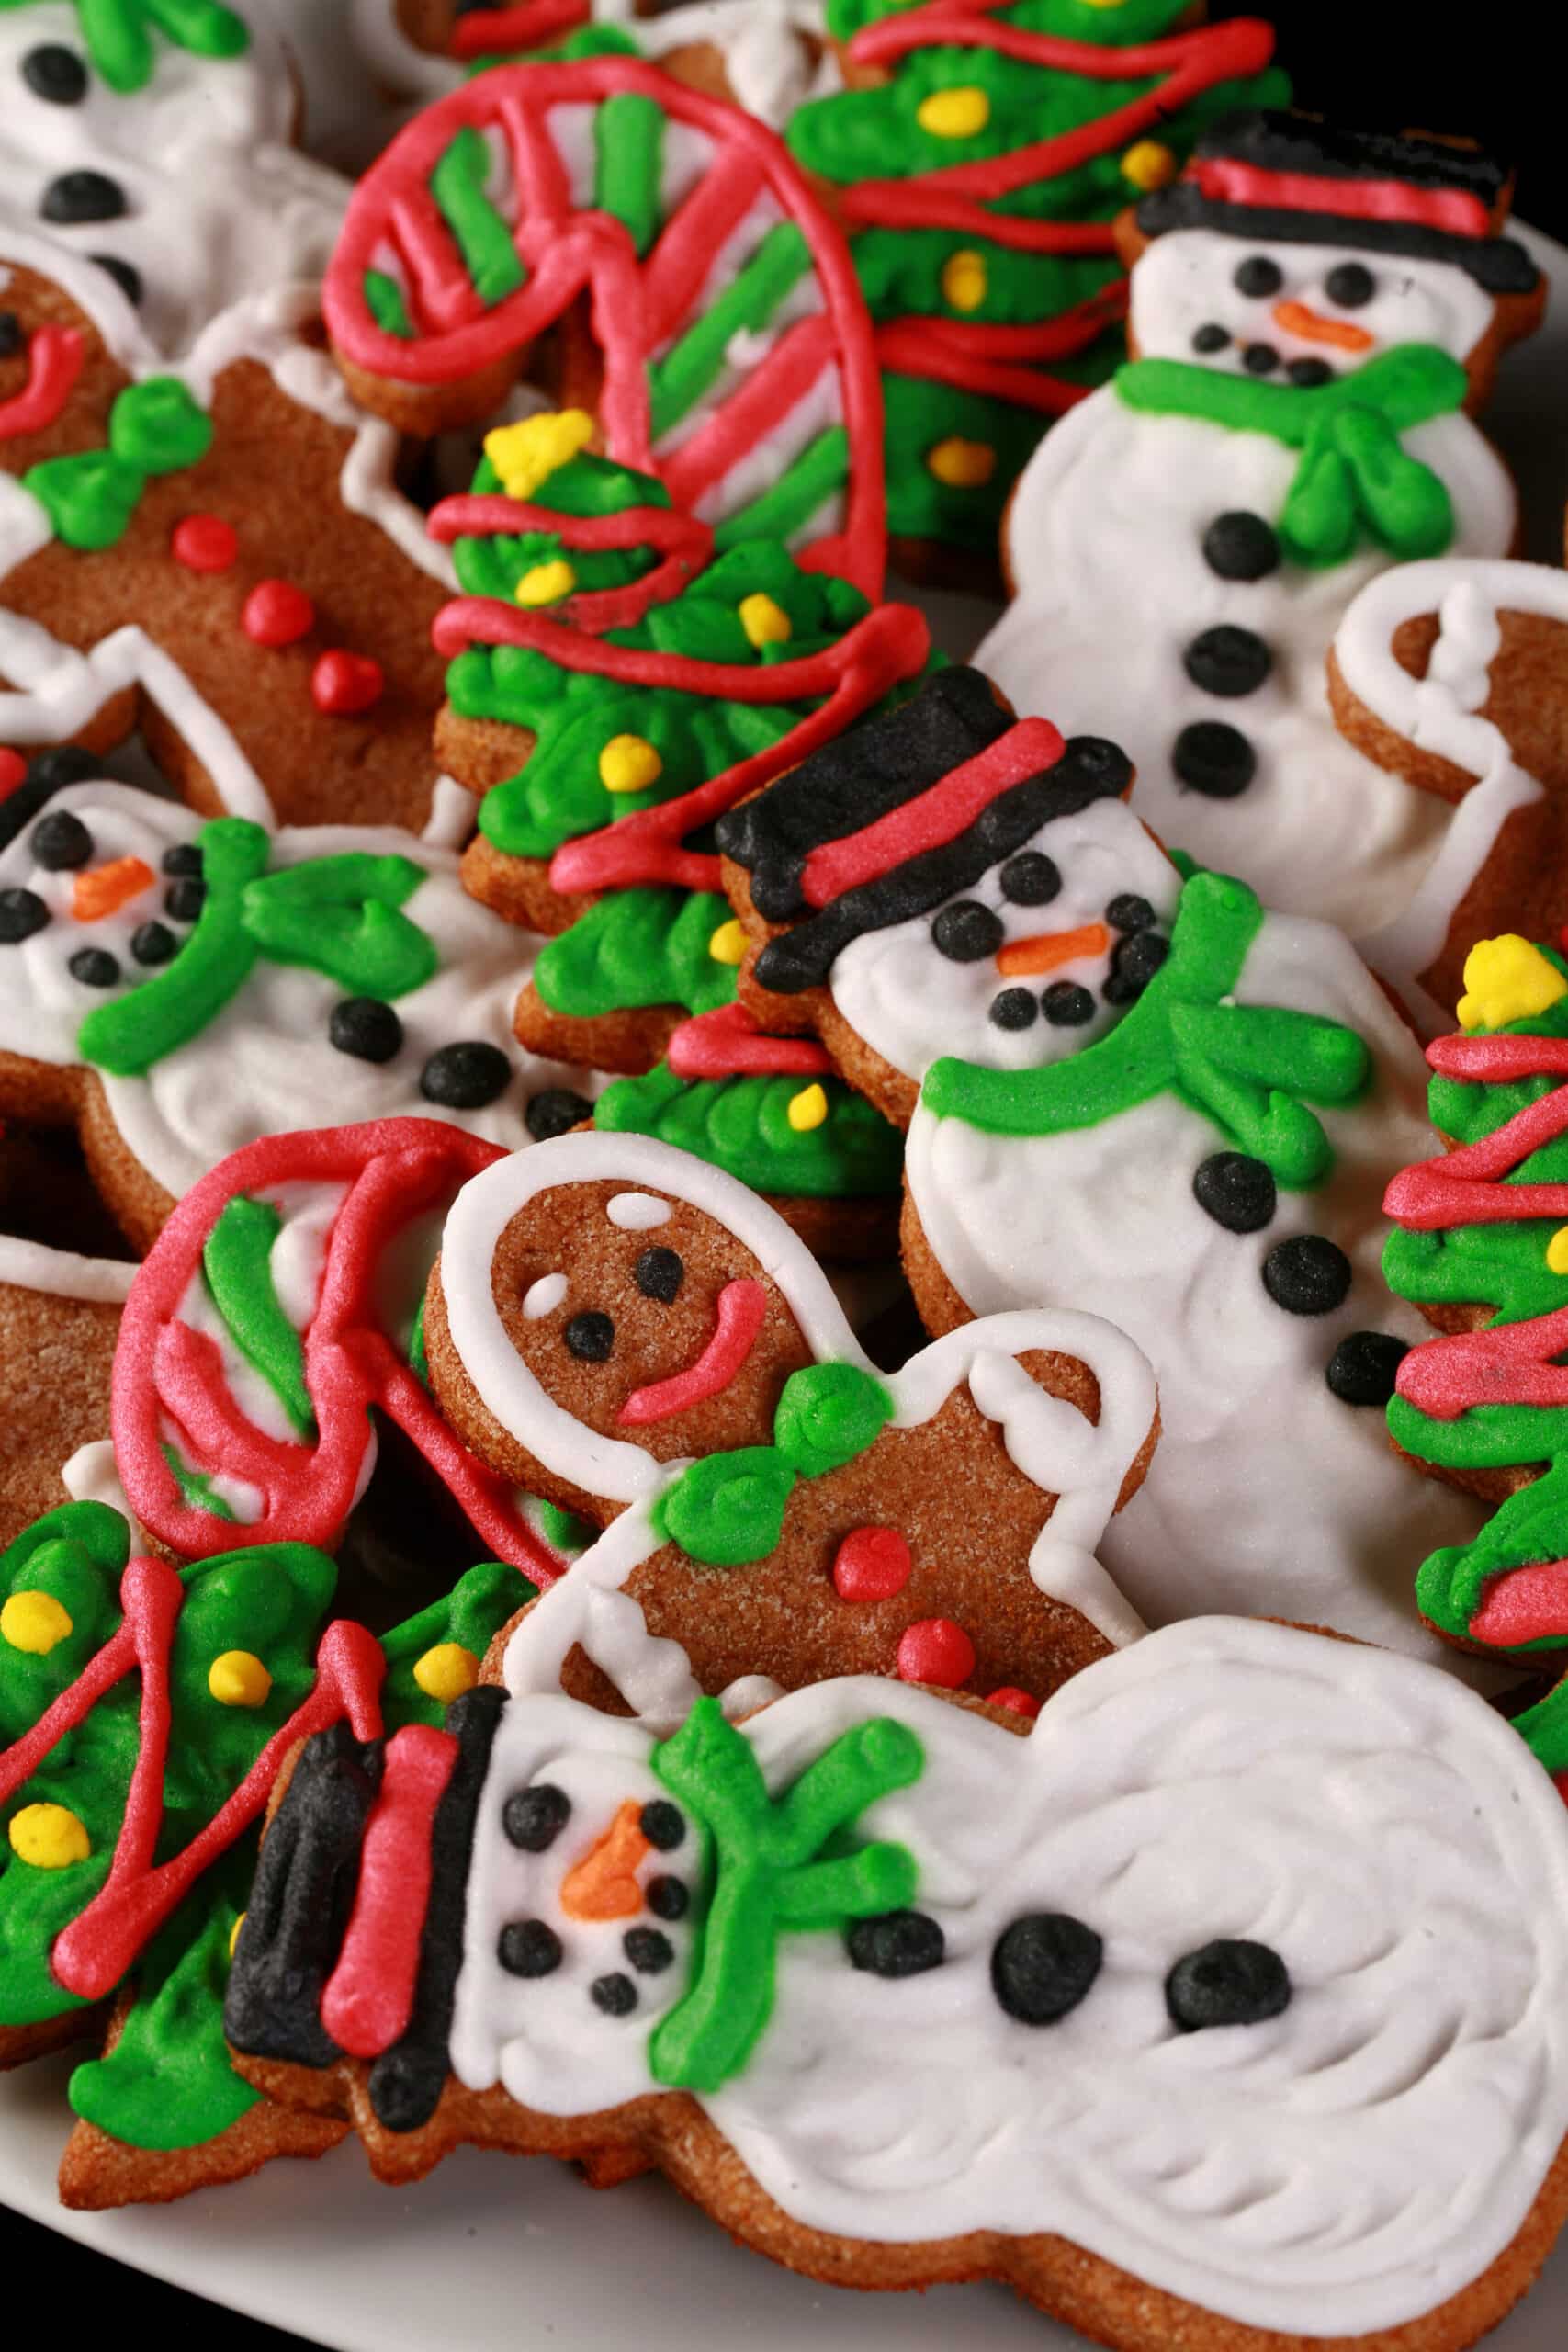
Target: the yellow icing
(34, 1621)
(807, 1109)
(238, 1678)
(528, 454)
(629, 763)
(1508, 980)
(955, 114)
(51, 1837)
(446, 1671)
(962, 465)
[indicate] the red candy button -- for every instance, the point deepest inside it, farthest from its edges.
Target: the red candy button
(277, 613)
(1016, 1701)
(345, 683)
(13, 771)
(936, 1650)
(205, 543)
(870, 1564)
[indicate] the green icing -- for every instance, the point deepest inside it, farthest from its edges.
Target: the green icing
(788, 505)
(637, 947)
(384, 300)
(1250, 1068)
(563, 1530)
(117, 34)
(1354, 476)
(728, 1509)
(918, 414)
(237, 1264)
(155, 427)
(494, 565)
(195, 1487)
(483, 239)
(741, 1124)
(628, 165)
(694, 364)
(776, 1866)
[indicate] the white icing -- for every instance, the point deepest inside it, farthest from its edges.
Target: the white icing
(543, 1296)
(1342, 2168)
(638, 1212)
(1103, 543)
(265, 1064)
(218, 204)
(453, 815)
(64, 1274)
(92, 1475)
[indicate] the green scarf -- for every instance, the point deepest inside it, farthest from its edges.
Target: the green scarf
(1251, 1068)
(728, 1508)
(1353, 474)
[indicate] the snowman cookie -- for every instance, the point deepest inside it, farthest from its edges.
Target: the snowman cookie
(151, 138)
(627, 1330)
(1129, 1089)
(177, 989)
(901, 1998)
(219, 555)
(1314, 313)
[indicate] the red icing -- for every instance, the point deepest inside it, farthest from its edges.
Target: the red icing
(684, 543)
(740, 1308)
(278, 613)
(726, 1043)
(872, 1564)
(489, 31)
(1465, 1186)
(635, 307)
(369, 1998)
(1016, 1701)
(934, 816)
(975, 356)
(1526, 1605)
(13, 771)
(937, 1651)
(54, 361)
(168, 1382)
(344, 684)
(1226, 180)
(204, 543)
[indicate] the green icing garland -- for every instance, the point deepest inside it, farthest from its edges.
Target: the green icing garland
(642, 946)
(728, 1508)
(155, 427)
(741, 1124)
(116, 34)
(777, 1866)
(1250, 1068)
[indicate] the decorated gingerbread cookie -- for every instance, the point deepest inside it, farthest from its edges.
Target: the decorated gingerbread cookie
(59, 1315)
(1313, 315)
(152, 139)
(217, 555)
(900, 1997)
(1129, 1089)
(627, 1331)
(978, 159)
(178, 989)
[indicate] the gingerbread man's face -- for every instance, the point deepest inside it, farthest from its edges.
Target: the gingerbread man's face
(644, 1318)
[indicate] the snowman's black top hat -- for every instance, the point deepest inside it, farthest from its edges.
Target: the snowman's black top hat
(1280, 177)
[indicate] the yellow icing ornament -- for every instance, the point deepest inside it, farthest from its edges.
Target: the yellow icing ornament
(546, 583)
(1557, 1250)
(955, 114)
(1150, 164)
(51, 1837)
(728, 945)
(1508, 980)
(964, 281)
(238, 1678)
(446, 1671)
(234, 1934)
(807, 1109)
(629, 763)
(765, 622)
(962, 465)
(34, 1621)
(526, 455)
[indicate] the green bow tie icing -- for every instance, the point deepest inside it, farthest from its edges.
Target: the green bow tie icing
(90, 497)
(339, 915)
(1250, 1068)
(770, 1874)
(116, 37)
(1353, 475)
(728, 1508)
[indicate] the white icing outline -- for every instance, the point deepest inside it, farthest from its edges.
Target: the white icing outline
(64, 1273)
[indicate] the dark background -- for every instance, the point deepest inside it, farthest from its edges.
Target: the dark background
(1395, 64)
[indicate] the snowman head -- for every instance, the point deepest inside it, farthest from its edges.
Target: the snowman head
(618, 1305)
(1297, 253)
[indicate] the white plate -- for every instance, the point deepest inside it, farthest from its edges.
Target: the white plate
(499, 2257)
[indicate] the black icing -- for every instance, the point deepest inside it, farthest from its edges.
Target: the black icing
(1260, 359)
(154, 942)
(1258, 278)
(1031, 879)
(181, 857)
(553, 1109)
(589, 1336)
(55, 73)
(1364, 1366)
(82, 196)
(614, 1994)
(366, 1028)
(1067, 1006)
(94, 967)
(183, 898)
(1228, 660)
(659, 1274)
(1227, 1983)
(534, 1818)
(1499, 265)
(663, 1823)
(48, 774)
(1237, 1191)
(126, 276)
(650, 1951)
(1042, 1965)
(668, 1898)
(1213, 757)
(967, 933)
(21, 913)
(529, 1947)
(61, 842)
(1128, 912)
(1309, 1275)
(1013, 1009)
(464, 1075)
(1239, 546)
(1134, 964)
(1349, 285)
(12, 335)
(896, 1943)
(1210, 337)
(1308, 373)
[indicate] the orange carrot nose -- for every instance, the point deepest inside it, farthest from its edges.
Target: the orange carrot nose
(1296, 318)
(104, 889)
(604, 1885)
(1047, 949)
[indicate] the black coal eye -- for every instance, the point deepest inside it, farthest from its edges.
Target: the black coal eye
(663, 1823)
(534, 1818)
(76, 197)
(183, 898)
(366, 1028)
(126, 276)
(1349, 286)
(1309, 373)
(650, 1952)
(898, 1943)
(529, 1947)
(1067, 1006)
(466, 1075)
(1136, 960)
(94, 967)
(11, 335)
(615, 1994)
(1013, 1009)
(966, 931)
(553, 1109)
(1042, 1965)
(1237, 1191)
(1210, 336)
(181, 857)
(1257, 276)
(21, 913)
(659, 1274)
(154, 942)
(1228, 1982)
(591, 1336)
(1307, 1275)
(1129, 912)
(55, 73)
(61, 842)
(1031, 879)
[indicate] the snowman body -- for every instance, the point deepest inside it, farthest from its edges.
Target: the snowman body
(188, 190)
(1119, 575)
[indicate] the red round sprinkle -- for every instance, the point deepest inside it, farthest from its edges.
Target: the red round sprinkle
(345, 683)
(870, 1564)
(1016, 1701)
(13, 771)
(205, 543)
(277, 613)
(936, 1650)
